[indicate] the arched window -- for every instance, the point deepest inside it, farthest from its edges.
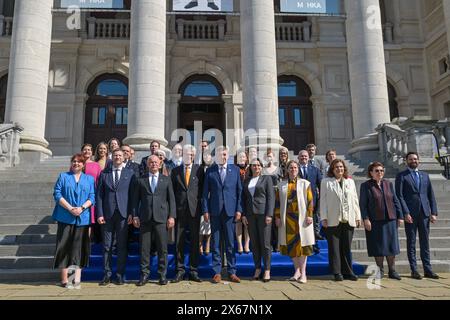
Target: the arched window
(3, 90)
(106, 113)
(295, 112)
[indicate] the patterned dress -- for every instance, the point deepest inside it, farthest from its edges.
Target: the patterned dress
(293, 247)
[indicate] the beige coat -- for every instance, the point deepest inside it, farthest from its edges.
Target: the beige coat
(306, 232)
(331, 197)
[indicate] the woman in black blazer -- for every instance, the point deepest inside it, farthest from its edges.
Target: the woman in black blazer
(259, 204)
(382, 215)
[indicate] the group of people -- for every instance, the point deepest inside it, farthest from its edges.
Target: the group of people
(266, 206)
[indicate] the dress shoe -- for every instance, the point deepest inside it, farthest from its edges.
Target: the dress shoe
(265, 280)
(163, 281)
(194, 277)
(350, 277)
(179, 277)
(119, 281)
(431, 275)
(234, 278)
(338, 277)
(416, 275)
(191, 4)
(213, 6)
(394, 275)
(217, 278)
(142, 281)
(106, 280)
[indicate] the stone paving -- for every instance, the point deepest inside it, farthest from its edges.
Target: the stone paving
(317, 288)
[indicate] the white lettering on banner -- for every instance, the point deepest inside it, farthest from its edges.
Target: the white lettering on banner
(304, 6)
(107, 4)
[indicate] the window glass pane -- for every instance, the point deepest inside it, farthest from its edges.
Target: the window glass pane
(95, 116)
(102, 116)
(201, 89)
(111, 87)
(119, 116)
(282, 117)
(287, 89)
(125, 116)
(297, 118)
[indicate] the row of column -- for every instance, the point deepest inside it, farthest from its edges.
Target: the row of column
(30, 55)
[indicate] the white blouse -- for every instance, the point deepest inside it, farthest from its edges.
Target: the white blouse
(252, 185)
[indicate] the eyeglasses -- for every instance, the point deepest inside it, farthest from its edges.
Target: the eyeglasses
(378, 170)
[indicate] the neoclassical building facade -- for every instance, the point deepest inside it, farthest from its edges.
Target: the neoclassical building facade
(140, 73)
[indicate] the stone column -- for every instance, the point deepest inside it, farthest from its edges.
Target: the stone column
(259, 72)
(370, 102)
(26, 101)
(446, 6)
(147, 83)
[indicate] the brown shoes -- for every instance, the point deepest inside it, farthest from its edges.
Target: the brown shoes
(234, 278)
(217, 278)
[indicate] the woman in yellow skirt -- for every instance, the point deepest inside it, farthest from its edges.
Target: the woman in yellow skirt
(294, 218)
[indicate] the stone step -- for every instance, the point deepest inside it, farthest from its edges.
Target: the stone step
(27, 239)
(29, 262)
(24, 204)
(27, 250)
(434, 232)
(26, 219)
(42, 212)
(402, 266)
(435, 254)
(17, 229)
(29, 197)
(31, 275)
(435, 242)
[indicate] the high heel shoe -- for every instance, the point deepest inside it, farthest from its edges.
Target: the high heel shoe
(257, 276)
(266, 278)
(302, 280)
(294, 279)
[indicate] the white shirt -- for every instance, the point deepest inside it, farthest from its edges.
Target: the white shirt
(187, 166)
(150, 178)
(119, 171)
(252, 185)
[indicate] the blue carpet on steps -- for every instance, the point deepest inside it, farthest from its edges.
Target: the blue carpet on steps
(281, 265)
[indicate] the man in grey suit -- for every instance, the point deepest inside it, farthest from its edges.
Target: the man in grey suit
(114, 214)
(154, 197)
(317, 162)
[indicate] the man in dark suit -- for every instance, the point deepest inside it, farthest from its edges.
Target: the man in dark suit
(154, 212)
(222, 206)
(187, 181)
(415, 192)
(114, 214)
(314, 176)
(129, 164)
(143, 168)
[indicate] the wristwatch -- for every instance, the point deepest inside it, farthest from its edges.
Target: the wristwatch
(83, 208)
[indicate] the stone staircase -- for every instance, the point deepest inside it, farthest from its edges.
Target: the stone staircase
(28, 234)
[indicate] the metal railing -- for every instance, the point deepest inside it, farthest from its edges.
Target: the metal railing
(445, 162)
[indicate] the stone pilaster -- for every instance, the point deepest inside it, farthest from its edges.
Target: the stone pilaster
(26, 101)
(146, 117)
(259, 72)
(370, 102)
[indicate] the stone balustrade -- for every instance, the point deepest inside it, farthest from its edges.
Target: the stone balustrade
(6, 24)
(108, 28)
(299, 32)
(393, 143)
(200, 30)
(9, 145)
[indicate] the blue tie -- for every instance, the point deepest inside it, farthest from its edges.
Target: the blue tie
(153, 185)
(417, 179)
(222, 173)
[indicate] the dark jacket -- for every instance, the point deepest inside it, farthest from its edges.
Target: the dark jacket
(158, 206)
(412, 199)
(263, 201)
(188, 199)
(374, 203)
(314, 176)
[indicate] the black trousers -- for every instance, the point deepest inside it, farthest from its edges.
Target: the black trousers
(115, 232)
(187, 223)
(339, 248)
(159, 230)
(260, 240)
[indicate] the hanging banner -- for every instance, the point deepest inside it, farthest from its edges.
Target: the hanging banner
(93, 4)
(203, 5)
(310, 6)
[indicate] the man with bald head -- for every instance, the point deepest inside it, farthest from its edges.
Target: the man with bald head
(154, 212)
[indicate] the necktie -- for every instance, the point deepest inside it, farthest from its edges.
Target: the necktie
(187, 175)
(116, 178)
(304, 172)
(153, 185)
(417, 179)
(222, 173)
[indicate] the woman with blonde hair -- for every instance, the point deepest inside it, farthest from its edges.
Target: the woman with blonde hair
(101, 155)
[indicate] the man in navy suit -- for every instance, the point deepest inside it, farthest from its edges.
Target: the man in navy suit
(314, 176)
(221, 204)
(129, 164)
(114, 214)
(414, 190)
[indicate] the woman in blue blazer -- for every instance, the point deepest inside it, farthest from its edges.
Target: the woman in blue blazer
(74, 193)
(382, 215)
